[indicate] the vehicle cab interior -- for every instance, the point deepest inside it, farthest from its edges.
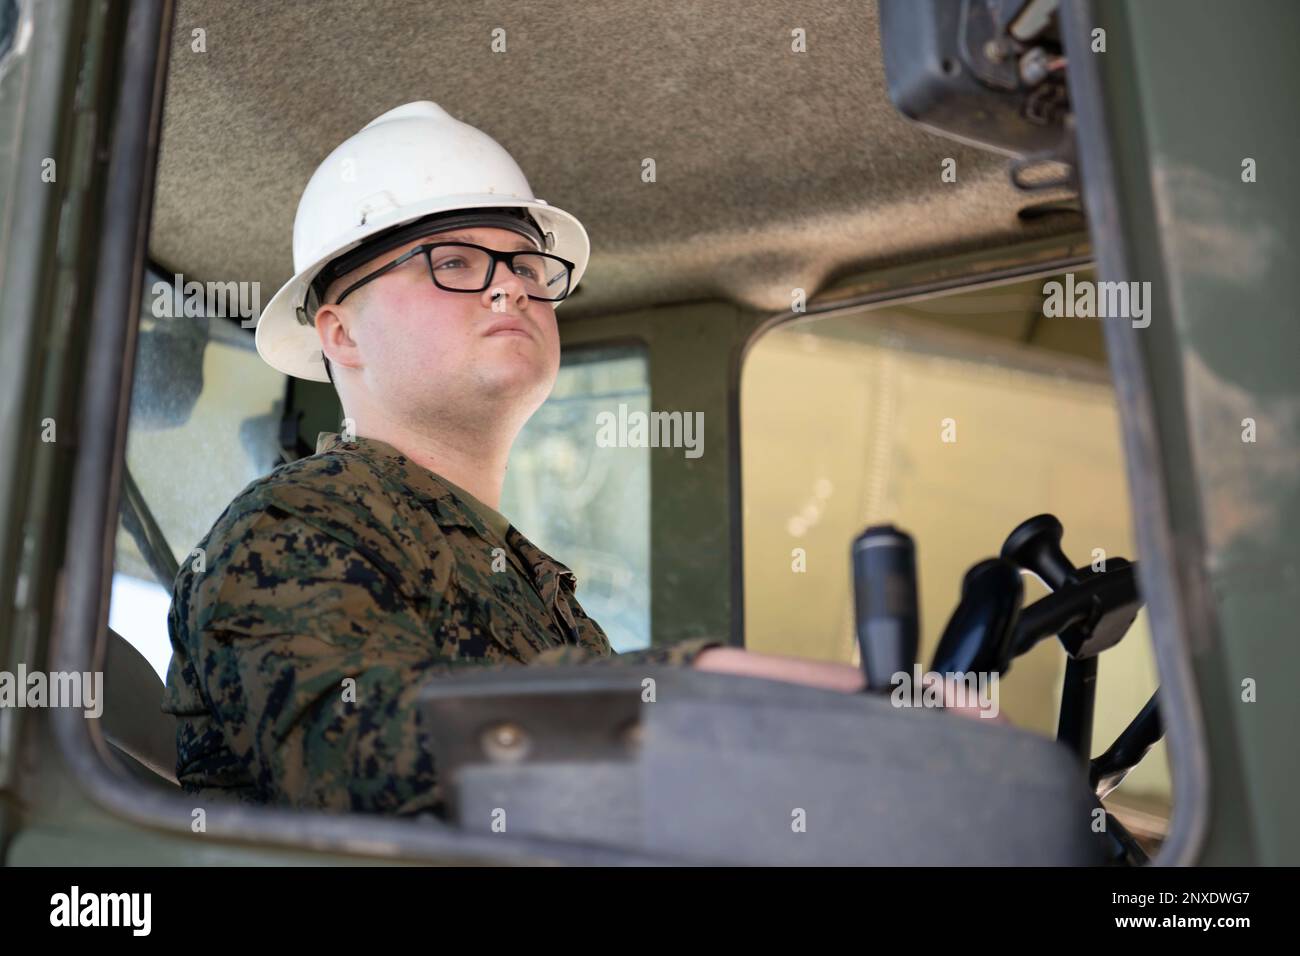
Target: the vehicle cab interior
(848, 237)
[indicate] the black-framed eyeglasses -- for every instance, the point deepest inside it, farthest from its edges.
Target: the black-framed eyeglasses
(466, 267)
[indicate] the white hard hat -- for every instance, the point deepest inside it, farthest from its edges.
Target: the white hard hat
(411, 163)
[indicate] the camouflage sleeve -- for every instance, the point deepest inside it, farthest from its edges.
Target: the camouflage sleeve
(311, 653)
(593, 646)
(680, 654)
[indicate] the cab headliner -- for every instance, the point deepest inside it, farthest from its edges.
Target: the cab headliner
(775, 170)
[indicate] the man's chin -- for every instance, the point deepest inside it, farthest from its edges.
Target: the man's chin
(519, 380)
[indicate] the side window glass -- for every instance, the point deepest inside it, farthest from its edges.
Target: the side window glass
(954, 418)
(205, 414)
(586, 505)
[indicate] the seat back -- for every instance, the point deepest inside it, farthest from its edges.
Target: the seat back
(133, 722)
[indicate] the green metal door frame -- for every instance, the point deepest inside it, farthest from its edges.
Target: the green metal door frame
(56, 82)
(1183, 94)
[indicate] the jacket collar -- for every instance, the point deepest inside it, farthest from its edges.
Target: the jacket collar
(432, 490)
(434, 493)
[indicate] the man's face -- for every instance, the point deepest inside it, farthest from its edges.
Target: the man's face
(425, 353)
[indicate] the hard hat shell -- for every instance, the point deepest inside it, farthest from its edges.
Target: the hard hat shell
(411, 162)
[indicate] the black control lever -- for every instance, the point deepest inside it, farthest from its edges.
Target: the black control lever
(1109, 770)
(979, 636)
(1035, 545)
(884, 596)
(1090, 616)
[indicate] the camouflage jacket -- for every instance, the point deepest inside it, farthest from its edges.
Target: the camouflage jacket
(353, 563)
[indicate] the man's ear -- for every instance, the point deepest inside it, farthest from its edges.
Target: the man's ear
(331, 327)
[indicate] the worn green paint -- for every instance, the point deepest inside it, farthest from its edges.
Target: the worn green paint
(1191, 89)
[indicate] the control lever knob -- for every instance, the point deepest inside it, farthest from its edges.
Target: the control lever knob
(884, 596)
(1035, 545)
(979, 636)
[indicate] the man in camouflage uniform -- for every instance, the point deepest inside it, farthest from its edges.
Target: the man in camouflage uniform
(334, 588)
(354, 563)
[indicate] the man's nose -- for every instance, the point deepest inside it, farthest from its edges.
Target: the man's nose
(506, 283)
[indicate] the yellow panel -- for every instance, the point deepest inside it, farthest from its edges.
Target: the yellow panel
(843, 423)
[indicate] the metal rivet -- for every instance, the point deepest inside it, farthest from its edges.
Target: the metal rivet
(506, 742)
